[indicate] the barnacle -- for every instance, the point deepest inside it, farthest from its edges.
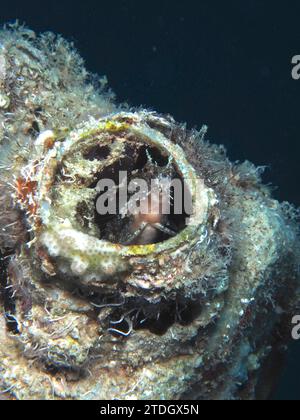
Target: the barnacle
(191, 304)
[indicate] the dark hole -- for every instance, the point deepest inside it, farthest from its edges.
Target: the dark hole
(129, 162)
(141, 159)
(159, 318)
(72, 374)
(52, 369)
(38, 111)
(142, 315)
(187, 312)
(158, 326)
(34, 129)
(97, 153)
(179, 219)
(7, 293)
(131, 230)
(157, 156)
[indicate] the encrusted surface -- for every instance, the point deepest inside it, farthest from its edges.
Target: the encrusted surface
(90, 311)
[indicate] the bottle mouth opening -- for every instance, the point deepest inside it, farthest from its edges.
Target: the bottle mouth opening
(116, 192)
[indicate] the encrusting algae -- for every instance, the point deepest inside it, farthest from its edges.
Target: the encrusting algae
(154, 306)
